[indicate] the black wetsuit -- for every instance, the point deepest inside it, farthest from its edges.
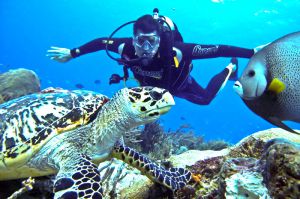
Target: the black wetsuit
(176, 79)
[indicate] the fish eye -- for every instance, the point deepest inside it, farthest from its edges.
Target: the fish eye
(251, 73)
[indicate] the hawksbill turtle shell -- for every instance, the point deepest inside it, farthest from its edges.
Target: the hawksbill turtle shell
(69, 133)
(27, 123)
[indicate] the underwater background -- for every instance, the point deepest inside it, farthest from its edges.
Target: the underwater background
(28, 29)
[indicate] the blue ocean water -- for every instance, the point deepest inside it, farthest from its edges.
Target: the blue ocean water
(29, 28)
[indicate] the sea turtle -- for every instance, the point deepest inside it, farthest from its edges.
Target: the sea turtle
(40, 136)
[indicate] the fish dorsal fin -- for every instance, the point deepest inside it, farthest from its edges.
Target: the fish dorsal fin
(276, 86)
(279, 123)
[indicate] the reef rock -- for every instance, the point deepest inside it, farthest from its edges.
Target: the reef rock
(281, 170)
(241, 178)
(16, 83)
(122, 181)
(256, 167)
(253, 145)
(190, 157)
(273, 133)
(246, 185)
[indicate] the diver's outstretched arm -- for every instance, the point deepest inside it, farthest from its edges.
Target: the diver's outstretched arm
(64, 54)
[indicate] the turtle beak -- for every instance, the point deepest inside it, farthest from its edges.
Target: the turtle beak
(164, 110)
(166, 103)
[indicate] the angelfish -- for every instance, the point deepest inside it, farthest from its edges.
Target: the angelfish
(270, 84)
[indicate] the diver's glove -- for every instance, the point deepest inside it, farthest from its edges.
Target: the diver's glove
(258, 48)
(234, 64)
(59, 54)
(115, 79)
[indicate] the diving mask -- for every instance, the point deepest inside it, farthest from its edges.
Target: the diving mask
(146, 45)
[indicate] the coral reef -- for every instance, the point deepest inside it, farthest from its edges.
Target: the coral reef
(160, 145)
(207, 170)
(282, 168)
(191, 157)
(270, 134)
(252, 147)
(245, 184)
(256, 167)
(241, 178)
(16, 83)
(259, 166)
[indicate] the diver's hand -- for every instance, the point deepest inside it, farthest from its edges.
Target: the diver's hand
(59, 54)
(258, 48)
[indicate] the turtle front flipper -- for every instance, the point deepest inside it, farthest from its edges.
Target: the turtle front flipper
(174, 178)
(79, 178)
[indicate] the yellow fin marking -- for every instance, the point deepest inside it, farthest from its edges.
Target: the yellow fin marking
(176, 62)
(276, 86)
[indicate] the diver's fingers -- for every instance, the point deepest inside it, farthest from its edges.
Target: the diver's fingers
(54, 47)
(52, 55)
(54, 58)
(57, 59)
(59, 50)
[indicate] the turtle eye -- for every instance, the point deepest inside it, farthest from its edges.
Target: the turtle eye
(156, 95)
(251, 73)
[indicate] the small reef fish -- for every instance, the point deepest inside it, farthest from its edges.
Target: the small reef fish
(97, 81)
(80, 86)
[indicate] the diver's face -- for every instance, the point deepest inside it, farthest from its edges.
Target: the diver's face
(146, 44)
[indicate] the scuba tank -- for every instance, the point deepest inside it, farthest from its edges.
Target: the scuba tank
(169, 35)
(167, 25)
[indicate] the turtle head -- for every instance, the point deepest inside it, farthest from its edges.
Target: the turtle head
(146, 104)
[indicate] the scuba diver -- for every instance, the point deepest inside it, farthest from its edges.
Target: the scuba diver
(157, 56)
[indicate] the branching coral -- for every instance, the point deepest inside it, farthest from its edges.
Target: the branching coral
(159, 145)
